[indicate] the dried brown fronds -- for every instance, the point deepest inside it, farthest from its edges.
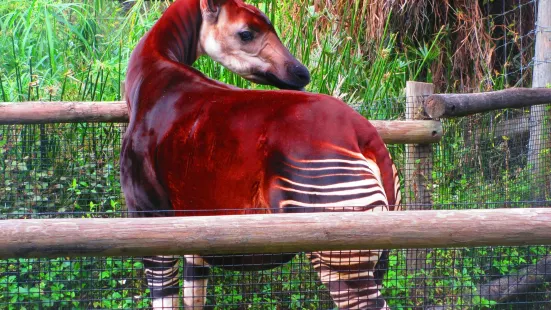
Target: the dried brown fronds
(474, 47)
(479, 36)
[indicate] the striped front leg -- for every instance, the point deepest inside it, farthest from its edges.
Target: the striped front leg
(196, 272)
(350, 277)
(161, 273)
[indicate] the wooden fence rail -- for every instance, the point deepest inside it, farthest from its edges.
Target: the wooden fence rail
(42, 112)
(273, 233)
(37, 112)
(452, 105)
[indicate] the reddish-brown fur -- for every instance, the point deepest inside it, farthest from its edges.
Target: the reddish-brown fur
(196, 144)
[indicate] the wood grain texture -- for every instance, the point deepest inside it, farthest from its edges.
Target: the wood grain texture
(452, 105)
(392, 132)
(274, 233)
(419, 155)
(41, 112)
(409, 132)
(418, 173)
(517, 283)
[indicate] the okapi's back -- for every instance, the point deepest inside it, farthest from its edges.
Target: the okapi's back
(324, 142)
(249, 146)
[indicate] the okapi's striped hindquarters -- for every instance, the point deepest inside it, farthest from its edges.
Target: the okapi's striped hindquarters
(337, 184)
(345, 183)
(198, 147)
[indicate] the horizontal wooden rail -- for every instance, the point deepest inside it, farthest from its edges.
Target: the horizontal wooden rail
(451, 105)
(274, 233)
(392, 132)
(409, 132)
(41, 112)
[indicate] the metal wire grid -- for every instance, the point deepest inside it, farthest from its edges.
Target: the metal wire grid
(513, 28)
(70, 170)
(482, 162)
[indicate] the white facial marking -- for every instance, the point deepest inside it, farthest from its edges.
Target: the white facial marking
(212, 47)
(220, 42)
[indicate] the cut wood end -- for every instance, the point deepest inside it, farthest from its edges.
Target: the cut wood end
(434, 108)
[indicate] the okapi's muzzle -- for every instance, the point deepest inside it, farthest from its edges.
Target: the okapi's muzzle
(295, 76)
(299, 75)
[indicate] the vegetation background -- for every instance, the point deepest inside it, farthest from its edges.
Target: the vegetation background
(360, 51)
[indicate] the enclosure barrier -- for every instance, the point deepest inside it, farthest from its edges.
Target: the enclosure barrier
(273, 233)
(306, 232)
(42, 112)
(452, 105)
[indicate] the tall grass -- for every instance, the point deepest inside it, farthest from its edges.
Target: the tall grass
(79, 50)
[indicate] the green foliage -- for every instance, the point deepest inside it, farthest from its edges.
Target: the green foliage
(291, 286)
(78, 50)
(57, 283)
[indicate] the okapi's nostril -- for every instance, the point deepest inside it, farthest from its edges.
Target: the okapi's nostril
(300, 72)
(304, 75)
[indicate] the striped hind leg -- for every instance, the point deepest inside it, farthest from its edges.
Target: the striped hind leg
(161, 273)
(196, 272)
(350, 277)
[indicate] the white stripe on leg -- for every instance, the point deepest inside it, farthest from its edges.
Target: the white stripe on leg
(195, 293)
(168, 302)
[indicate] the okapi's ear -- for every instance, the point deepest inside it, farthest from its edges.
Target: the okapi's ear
(210, 9)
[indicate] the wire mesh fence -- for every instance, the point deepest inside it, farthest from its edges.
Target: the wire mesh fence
(71, 170)
(483, 161)
(513, 28)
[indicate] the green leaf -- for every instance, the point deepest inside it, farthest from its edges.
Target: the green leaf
(50, 38)
(35, 292)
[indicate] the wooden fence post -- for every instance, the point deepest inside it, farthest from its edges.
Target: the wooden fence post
(419, 156)
(539, 117)
(418, 171)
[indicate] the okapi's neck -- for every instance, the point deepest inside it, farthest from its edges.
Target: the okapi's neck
(176, 34)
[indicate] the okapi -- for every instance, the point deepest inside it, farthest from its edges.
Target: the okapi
(195, 146)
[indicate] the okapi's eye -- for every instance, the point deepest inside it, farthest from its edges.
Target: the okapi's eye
(246, 36)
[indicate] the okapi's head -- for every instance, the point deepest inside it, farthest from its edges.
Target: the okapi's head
(241, 38)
